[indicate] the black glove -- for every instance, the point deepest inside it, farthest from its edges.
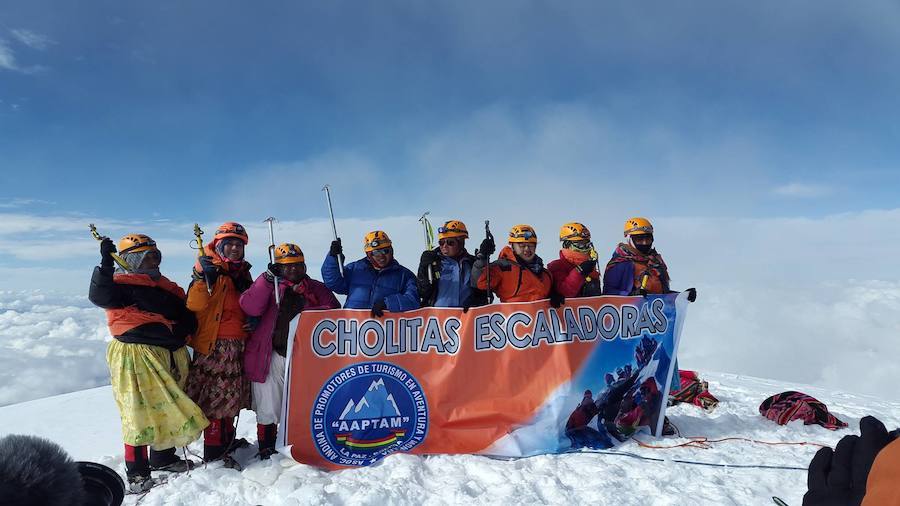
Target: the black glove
(692, 294)
(210, 270)
(556, 299)
(487, 247)
(587, 267)
(107, 248)
(272, 271)
(839, 477)
(378, 308)
(432, 258)
(336, 249)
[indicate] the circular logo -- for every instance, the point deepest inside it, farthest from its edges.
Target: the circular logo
(368, 411)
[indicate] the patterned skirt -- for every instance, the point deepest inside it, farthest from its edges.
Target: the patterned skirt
(148, 382)
(217, 382)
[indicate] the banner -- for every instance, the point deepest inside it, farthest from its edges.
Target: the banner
(512, 379)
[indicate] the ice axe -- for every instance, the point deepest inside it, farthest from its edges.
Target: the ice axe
(115, 256)
(198, 238)
(327, 190)
(429, 243)
(488, 235)
(270, 220)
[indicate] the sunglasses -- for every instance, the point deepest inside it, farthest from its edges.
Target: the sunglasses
(528, 234)
(381, 252)
(581, 245)
(448, 242)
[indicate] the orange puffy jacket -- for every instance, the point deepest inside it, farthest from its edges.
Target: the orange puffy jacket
(219, 314)
(881, 486)
(513, 283)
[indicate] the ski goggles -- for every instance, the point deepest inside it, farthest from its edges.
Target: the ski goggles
(382, 251)
(579, 245)
(527, 235)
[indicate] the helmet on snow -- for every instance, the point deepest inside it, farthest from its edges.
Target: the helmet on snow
(288, 253)
(523, 234)
(453, 228)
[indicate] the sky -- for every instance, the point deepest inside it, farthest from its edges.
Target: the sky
(760, 138)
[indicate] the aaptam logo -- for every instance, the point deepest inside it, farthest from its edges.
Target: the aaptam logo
(367, 411)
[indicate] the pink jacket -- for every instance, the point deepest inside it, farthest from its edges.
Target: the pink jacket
(259, 300)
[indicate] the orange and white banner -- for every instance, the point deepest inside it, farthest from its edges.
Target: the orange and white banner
(511, 379)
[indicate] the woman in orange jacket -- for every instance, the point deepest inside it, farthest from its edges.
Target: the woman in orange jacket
(217, 383)
(519, 274)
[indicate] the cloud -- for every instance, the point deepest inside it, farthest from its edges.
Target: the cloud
(803, 190)
(32, 39)
(17, 202)
(7, 58)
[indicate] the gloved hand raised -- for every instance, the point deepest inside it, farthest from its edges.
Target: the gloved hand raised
(272, 271)
(839, 477)
(692, 294)
(378, 308)
(430, 257)
(107, 248)
(487, 247)
(587, 267)
(336, 249)
(210, 271)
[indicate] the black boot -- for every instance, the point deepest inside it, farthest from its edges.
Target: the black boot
(167, 460)
(137, 468)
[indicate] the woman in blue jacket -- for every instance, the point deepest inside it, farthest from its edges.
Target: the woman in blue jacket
(377, 282)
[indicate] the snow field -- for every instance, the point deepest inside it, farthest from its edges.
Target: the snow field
(86, 424)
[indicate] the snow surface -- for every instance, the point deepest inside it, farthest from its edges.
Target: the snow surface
(86, 424)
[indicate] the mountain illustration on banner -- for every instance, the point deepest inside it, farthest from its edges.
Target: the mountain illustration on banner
(375, 403)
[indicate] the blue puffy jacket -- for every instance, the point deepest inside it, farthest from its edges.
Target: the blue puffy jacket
(363, 285)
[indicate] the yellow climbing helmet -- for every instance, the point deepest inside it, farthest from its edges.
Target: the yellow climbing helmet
(133, 243)
(376, 240)
(288, 253)
(637, 226)
(574, 232)
(453, 228)
(522, 233)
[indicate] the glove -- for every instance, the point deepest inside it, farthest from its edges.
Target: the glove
(431, 258)
(210, 270)
(378, 308)
(556, 300)
(107, 248)
(251, 323)
(487, 247)
(839, 477)
(692, 294)
(272, 271)
(336, 249)
(587, 267)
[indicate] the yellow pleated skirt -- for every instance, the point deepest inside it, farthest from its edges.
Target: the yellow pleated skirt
(148, 384)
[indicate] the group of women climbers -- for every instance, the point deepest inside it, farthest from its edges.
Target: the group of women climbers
(239, 334)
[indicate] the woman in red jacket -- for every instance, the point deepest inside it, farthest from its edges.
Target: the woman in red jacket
(575, 271)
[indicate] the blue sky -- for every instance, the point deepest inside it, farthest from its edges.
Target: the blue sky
(142, 115)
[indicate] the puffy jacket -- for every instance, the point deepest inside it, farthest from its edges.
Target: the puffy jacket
(363, 284)
(259, 300)
(626, 268)
(569, 282)
(881, 485)
(218, 314)
(142, 310)
(453, 288)
(511, 281)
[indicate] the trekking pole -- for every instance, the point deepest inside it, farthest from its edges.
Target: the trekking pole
(271, 222)
(198, 237)
(327, 190)
(119, 260)
(429, 243)
(488, 235)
